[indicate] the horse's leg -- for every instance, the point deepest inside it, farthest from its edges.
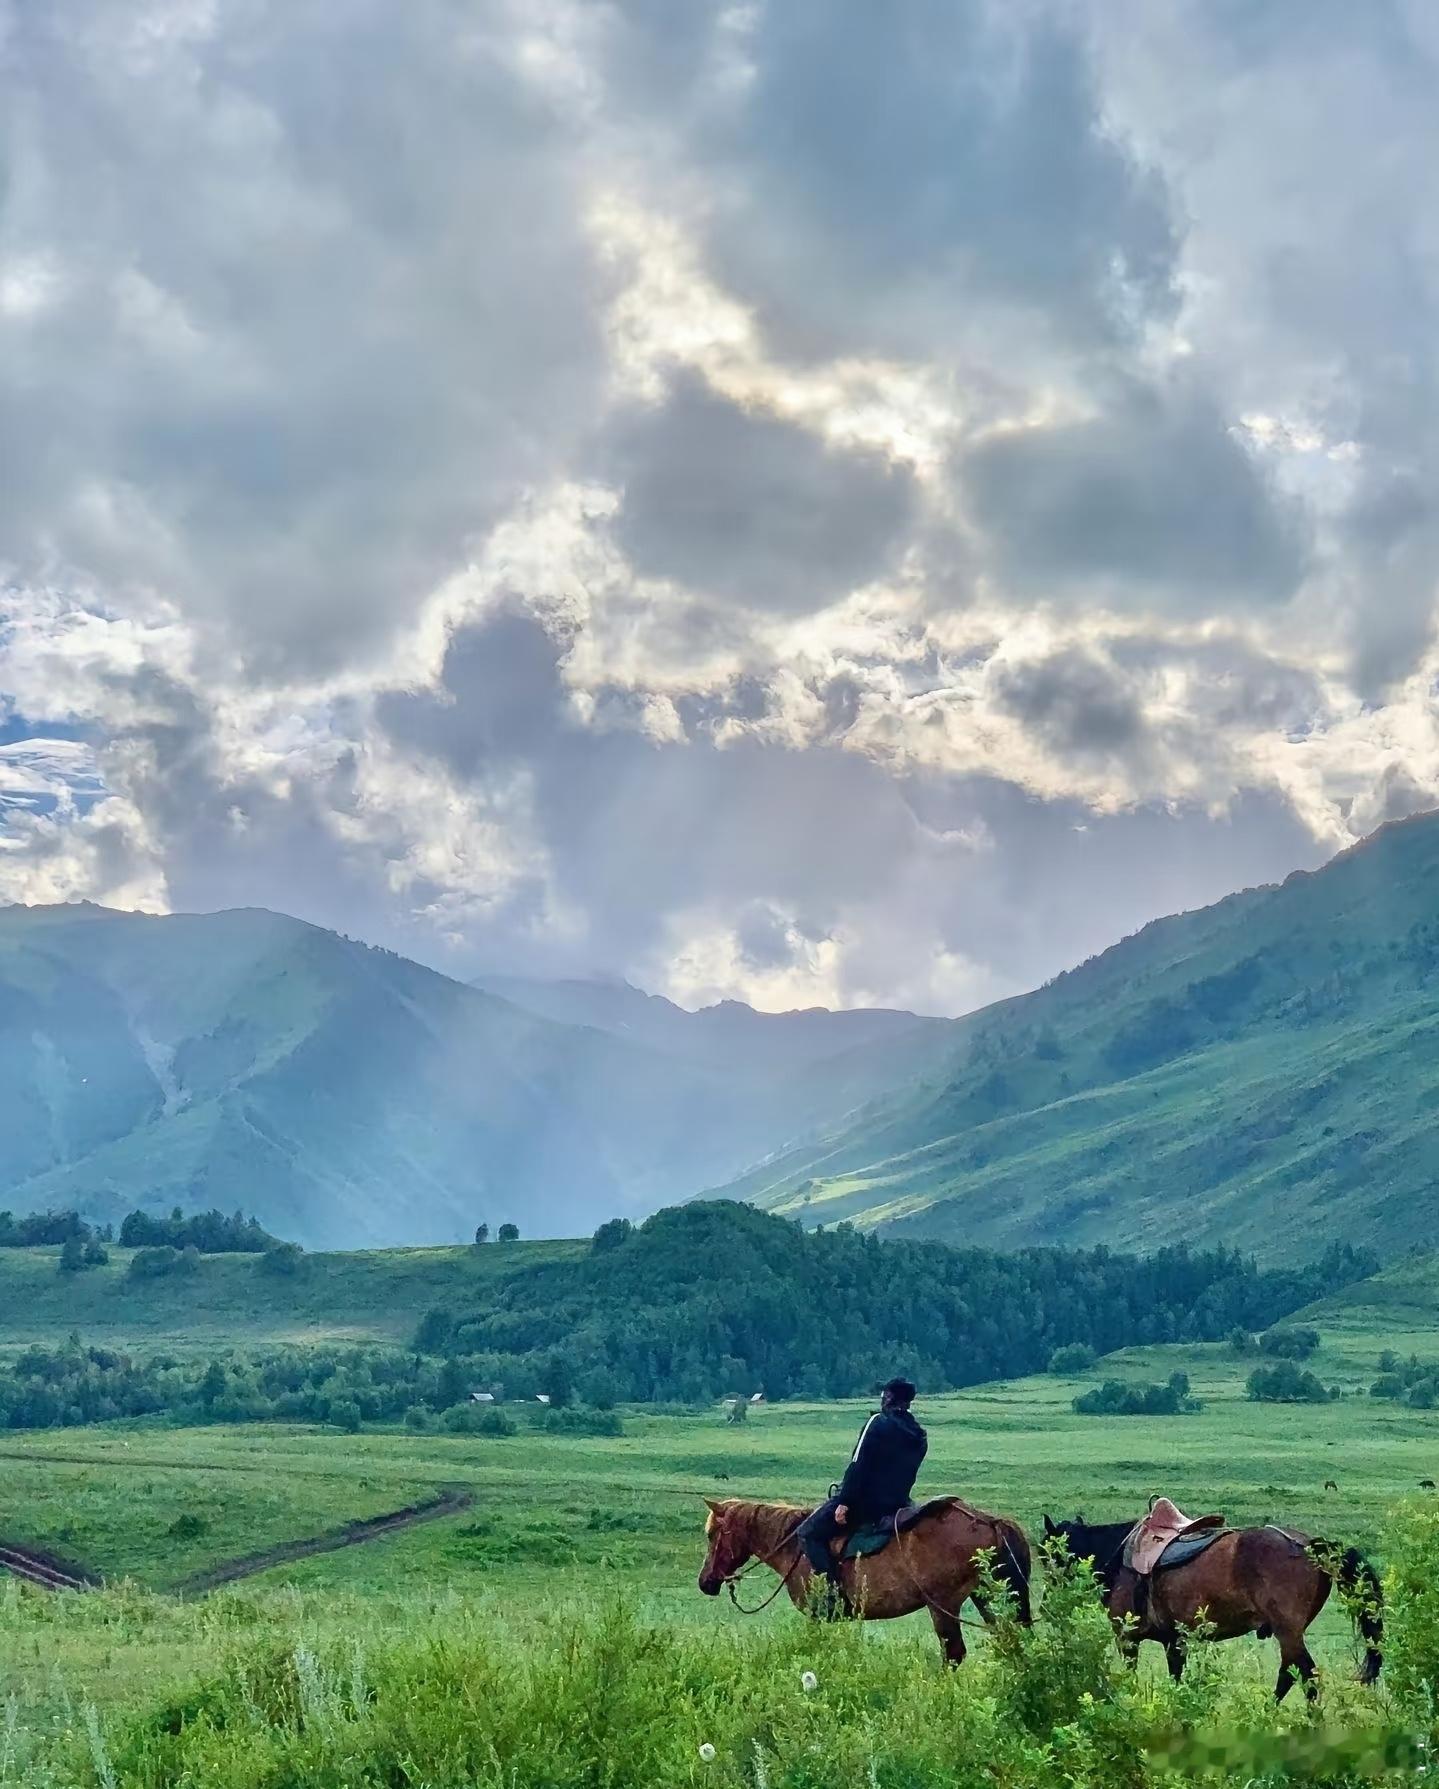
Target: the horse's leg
(1295, 1657)
(951, 1636)
(1174, 1654)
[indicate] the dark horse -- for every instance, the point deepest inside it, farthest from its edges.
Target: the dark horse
(1266, 1581)
(934, 1565)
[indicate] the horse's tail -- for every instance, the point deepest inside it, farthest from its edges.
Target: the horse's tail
(1011, 1566)
(1358, 1583)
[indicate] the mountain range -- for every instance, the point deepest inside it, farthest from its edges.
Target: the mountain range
(1263, 1072)
(348, 1096)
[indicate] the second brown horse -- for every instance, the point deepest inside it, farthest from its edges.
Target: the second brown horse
(935, 1565)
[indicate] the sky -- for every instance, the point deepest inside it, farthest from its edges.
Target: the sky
(803, 503)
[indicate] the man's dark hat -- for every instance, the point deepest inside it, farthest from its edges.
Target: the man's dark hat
(899, 1389)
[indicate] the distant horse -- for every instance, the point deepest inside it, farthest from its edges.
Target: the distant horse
(1267, 1581)
(934, 1565)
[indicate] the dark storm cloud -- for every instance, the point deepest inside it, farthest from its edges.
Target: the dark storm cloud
(1074, 702)
(752, 509)
(930, 156)
(1155, 499)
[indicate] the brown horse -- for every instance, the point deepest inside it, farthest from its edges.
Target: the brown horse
(934, 1565)
(1267, 1581)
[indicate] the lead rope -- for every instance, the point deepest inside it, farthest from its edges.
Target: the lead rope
(925, 1597)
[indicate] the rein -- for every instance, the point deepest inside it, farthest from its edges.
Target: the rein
(739, 1576)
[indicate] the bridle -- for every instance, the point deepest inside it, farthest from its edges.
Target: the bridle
(739, 1575)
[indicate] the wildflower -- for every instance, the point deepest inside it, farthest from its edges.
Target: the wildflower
(707, 1752)
(809, 1681)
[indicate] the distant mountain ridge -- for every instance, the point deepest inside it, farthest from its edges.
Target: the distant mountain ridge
(724, 1035)
(348, 1096)
(1262, 1072)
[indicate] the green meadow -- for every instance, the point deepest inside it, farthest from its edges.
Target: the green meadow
(569, 1539)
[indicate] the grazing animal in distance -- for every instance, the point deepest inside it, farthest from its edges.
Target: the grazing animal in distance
(1329, 1485)
(1426, 1484)
(1267, 1581)
(934, 1565)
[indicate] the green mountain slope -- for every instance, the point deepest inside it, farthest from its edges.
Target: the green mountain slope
(346, 1095)
(1263, 1072)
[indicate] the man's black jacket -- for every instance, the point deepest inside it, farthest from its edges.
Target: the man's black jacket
(882, 1470)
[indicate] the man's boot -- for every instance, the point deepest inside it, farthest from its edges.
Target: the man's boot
(834, 1604)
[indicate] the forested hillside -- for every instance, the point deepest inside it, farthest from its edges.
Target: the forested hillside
(346, 1095)
(701, 1300)
(1263, 1072)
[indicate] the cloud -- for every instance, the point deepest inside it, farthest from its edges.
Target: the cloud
(750, 509)
(698, 494)
(1153, 502)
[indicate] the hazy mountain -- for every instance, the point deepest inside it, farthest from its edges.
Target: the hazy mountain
(1263, 1072)
(346, 1095)
(729, 1035)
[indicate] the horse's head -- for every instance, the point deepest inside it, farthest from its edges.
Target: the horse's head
(1080, 1540)
(729, 1544)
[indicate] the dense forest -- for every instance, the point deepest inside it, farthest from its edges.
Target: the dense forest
(700, 1301)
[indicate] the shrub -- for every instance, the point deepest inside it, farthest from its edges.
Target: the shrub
(188, 1527)
(1289, 1344)
(1116, 1398)
(345, 1414)
(1241, 1341)
(419, 1417)
(1076, 1357)
(509, 1233)
(611, 1235)
(282, 1259)
(578, 1422)
(1387, 1385)
(478, 1419)
(1411, 1615)
(1285, 1383)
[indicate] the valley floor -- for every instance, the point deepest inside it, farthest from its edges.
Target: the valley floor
(560, 1520)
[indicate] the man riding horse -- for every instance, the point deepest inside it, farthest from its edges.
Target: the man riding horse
(878, 1481)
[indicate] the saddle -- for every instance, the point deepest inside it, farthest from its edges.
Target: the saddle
(874, 1537)
(1166, 1537)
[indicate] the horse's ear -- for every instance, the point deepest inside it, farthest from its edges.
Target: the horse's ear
(711, 1505)
(1049, 1527)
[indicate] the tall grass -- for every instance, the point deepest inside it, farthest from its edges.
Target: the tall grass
(446, 1693)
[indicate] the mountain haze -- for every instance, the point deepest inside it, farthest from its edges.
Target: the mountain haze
(347, 1095)
(1263, 1072)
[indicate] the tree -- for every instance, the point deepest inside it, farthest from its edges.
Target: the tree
(1078, 1357)
(212, 1386)
(509, 1233)
(345, 1414)
(482, 1235)
(96, 1254)
(612, 1234)
(72, 1255)
(559, 1380)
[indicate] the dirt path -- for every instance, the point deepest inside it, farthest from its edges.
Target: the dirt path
(54, 1574)
(44, 1569)
(353, 1534)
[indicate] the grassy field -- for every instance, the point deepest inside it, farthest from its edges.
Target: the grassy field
(571, 1522)
(368, 1295)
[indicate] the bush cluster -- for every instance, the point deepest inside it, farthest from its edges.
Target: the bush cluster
(1414, 1381)
(1288, 1383)
(1116, 1398)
